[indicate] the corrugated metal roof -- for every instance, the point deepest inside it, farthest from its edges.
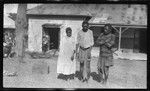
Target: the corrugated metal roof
(120, 25)
(112, 13)
(7, 22)
(58, 9)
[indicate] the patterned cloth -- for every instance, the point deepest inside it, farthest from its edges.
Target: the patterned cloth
(84, 55)
(105, 61)
(105, 56)
(85, 58)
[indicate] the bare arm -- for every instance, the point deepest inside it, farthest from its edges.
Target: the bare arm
(77, 45)
(92, 41)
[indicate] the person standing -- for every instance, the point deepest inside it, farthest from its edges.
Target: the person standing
(85, 41)
(106, 40)
(66, 64)
(45, 44)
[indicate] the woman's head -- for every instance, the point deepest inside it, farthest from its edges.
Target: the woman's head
(68, 31)
(107, 28)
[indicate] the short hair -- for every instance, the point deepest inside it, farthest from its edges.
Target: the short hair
(109, 25)
(68, 29)
(85, 22)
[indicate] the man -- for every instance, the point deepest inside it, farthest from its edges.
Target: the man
(84, 44)
(106, 40)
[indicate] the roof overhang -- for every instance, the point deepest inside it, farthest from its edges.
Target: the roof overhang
(88, 17)
(8, 22)
(9, 26)
(120, 25)
(47, 25)
(52, 15)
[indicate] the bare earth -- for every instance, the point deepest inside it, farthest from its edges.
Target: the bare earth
(34, 74)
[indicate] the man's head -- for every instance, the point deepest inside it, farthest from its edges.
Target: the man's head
(68, 31)
(107, 29)
(85, 26)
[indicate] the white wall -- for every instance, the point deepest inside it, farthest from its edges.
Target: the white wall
(35, 31)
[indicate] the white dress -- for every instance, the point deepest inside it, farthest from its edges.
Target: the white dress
(64, 63)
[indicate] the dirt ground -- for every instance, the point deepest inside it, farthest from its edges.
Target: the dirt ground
(41, 73)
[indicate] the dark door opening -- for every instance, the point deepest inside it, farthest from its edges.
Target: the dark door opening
(143, 41)
(53, 35)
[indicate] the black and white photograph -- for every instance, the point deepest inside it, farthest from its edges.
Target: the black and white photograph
(75, 46)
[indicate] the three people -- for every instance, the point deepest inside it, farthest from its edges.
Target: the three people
(106, 40)
(82, 51)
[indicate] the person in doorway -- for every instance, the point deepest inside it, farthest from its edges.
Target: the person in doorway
(66, 64)
(85, 41)
(106, 40)
(45, 43)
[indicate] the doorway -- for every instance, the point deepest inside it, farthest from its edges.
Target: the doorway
(143, 41)
(53, 34)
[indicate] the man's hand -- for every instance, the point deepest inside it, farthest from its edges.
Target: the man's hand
(77, 55)
(89, 54)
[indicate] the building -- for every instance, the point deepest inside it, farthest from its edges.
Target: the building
(8, 27)
(129, 22)
(58, 16)
(53, 19)
(8, 24)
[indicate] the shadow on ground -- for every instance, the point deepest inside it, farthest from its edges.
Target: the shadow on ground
(62, 76)
(65, 77)
(78, 75)
(95, 76)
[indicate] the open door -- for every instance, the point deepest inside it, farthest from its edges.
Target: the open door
(53, 33)
(143, 41)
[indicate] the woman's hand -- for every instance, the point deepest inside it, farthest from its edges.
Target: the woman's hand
(72, 57)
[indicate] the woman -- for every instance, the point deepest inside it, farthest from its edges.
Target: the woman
(106, 40)
(66, 64)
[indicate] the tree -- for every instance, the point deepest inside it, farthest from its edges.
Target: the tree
(21, 28)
